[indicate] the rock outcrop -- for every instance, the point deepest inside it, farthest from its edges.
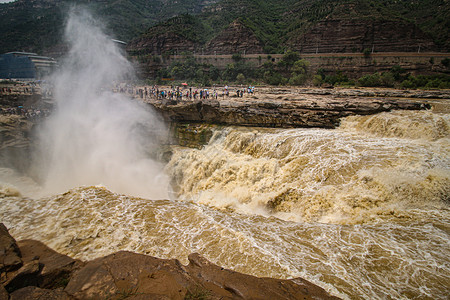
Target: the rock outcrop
(15, 132)
(9, 251)
(34, 271)
(167, 42)
(236, 38)
(291, 107)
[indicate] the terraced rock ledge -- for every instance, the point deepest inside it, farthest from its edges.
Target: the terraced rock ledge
(278, 107)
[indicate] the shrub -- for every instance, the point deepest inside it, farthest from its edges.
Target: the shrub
(300, 66)
(432, 84)
(157, 59)
(370, 80)
(288, 59)
(297, 79)
(336, 78)
(387, 79)
(274, 78)
(240, 78)
(317, 80)
(398, 73)
(408, 84)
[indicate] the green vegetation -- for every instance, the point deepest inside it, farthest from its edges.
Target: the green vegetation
(37, 25)
(187, 26)
(396, 77)
(291, 69)
(294, 71)
(204, 74)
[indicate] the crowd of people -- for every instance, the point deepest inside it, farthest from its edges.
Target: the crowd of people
(34, 111)
(165, 94)
(183, 93)
(20, 88)
(29, 113)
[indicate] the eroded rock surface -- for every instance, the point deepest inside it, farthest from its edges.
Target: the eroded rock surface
(10, 256)
(286, 108)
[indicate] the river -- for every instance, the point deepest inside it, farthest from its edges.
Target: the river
(361, 210)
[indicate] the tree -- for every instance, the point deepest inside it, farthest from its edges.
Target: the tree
(240, 78)
(288, 59)
(300, 67)
(297, 79)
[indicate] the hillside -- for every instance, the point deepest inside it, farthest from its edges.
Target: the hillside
(310, 26)
(237, 26)
(36, 25)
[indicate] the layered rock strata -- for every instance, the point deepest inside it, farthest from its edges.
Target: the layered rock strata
(347, 36)
(292, 108)
(237, 38)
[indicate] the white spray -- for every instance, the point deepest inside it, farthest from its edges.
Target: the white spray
(95, 136)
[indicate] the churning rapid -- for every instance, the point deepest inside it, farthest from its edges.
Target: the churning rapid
(362, 210)
(370, 168)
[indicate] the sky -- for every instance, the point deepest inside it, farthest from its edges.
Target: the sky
(6, 1)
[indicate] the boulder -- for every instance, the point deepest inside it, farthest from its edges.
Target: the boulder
(127, 274)
(10, 256)
(55, 269)
(130, 274)
(32, 293)
(250, 287)
(25, 276)
(3, 293)
(31, 263)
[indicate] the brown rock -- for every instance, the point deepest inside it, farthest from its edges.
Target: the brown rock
(25, 276)
(32, 293)
(236, 38)
(55, 268)
(3, 293)
(31, 263)
(355, 35)
(288, 108)
(9, 252)
(126, 273)
(250, 287)
(136, 276)
(162, 43)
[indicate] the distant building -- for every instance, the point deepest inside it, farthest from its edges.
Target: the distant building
(23, 65)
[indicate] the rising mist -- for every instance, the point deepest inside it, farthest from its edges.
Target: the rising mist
(95, 136)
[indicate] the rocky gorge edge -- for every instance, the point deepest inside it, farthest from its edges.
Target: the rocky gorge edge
(31, 270)
(290, 108)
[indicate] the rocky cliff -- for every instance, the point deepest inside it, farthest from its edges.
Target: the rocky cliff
(236, 38)
(327, 36)
(31, 270)
(167, 42)
(347, 36)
